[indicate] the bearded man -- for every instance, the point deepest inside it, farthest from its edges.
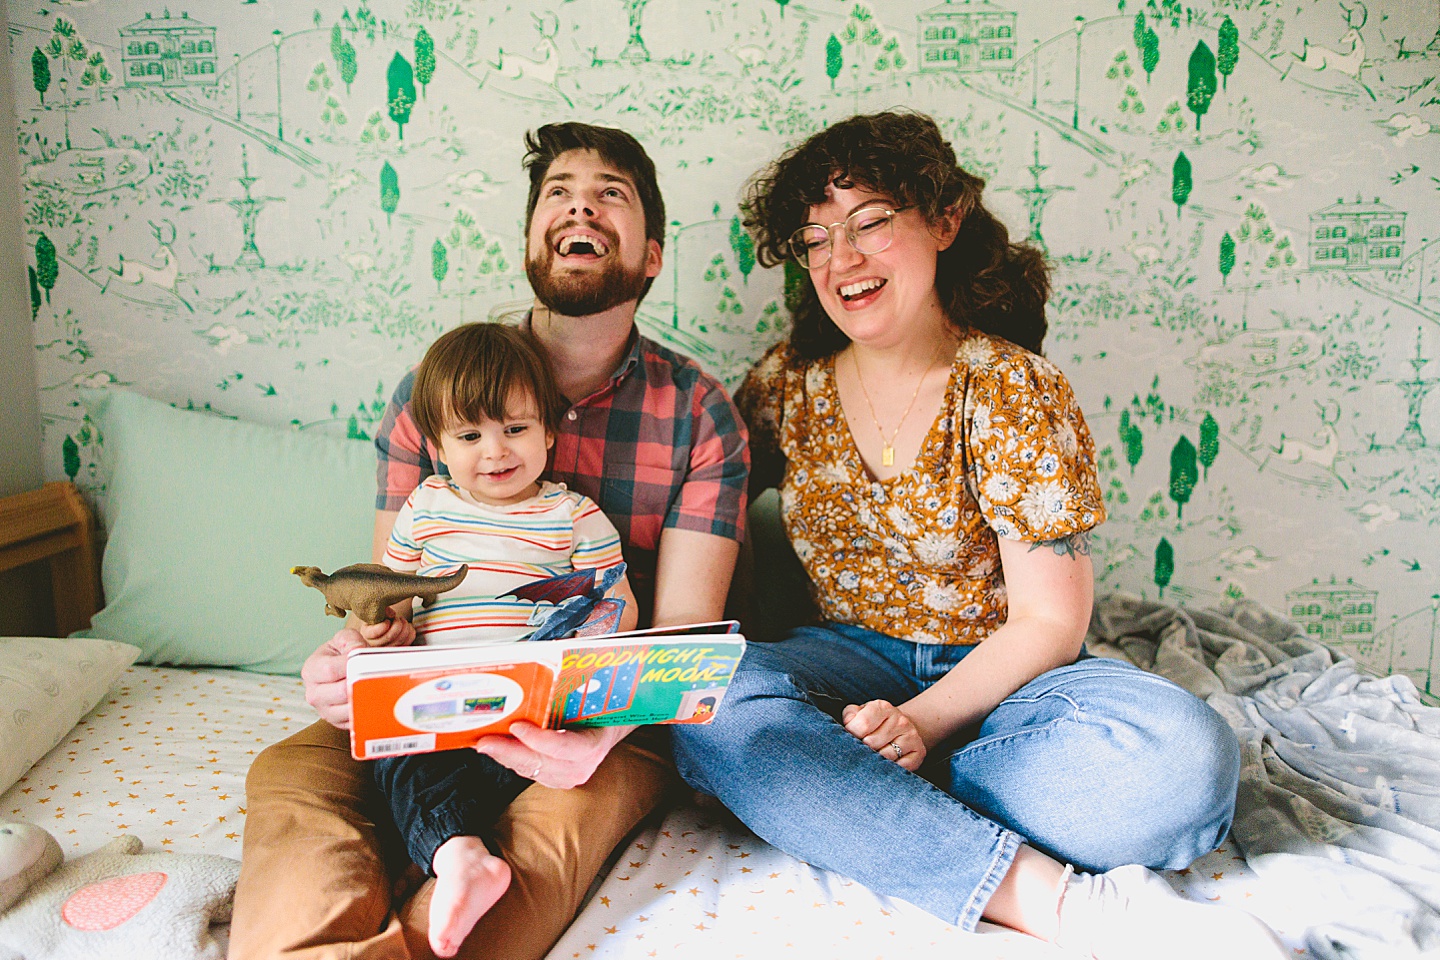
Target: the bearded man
(657, 443)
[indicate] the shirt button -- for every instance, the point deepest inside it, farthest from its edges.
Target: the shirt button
(572, 415)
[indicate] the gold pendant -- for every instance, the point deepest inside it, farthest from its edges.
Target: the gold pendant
(887, 456)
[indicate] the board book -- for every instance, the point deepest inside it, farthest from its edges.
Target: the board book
(420, 699)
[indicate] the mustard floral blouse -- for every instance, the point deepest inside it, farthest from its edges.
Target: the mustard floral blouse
(917, 557)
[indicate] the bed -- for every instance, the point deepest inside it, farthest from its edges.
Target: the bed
(1335, 842)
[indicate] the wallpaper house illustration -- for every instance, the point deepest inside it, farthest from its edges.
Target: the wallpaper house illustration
(266, 210)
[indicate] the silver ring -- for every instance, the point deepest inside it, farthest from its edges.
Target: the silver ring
(538, 765)
(894, 745)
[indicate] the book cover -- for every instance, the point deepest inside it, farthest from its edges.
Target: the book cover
(420, 699)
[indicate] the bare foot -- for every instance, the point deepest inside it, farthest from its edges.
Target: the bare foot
(468, 881)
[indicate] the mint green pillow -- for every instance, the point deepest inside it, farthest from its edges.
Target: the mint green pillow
(204, 519)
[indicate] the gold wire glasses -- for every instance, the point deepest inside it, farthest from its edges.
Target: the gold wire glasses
(869, 230)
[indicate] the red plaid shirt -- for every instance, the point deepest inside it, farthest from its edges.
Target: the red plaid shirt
(659, 445)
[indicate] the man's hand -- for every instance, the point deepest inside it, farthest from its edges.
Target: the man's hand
(324, 670)
(554, 758)
(884, 728)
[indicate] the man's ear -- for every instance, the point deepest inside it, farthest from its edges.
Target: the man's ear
(654, 258)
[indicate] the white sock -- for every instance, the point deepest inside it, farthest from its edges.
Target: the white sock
(1130, 913)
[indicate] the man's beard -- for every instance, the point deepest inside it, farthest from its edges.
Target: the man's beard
(582, 293)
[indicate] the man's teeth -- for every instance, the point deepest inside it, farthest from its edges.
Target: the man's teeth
(851, 290)
(587, 243)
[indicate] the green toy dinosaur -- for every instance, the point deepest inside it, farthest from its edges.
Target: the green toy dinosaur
(370, 589)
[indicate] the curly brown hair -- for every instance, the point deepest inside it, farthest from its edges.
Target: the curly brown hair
(985, 282)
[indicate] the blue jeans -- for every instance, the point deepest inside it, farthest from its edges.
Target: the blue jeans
(1096, 763)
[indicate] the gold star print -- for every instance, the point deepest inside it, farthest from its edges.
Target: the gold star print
(712, 916)
(605, 900)
(636, 863)
(746, 870)
(77, 793)
(694, 891)
(1217, 876)
(659, 886)
(774, 876)
(701, 926)
(231, 836)
(612, 929)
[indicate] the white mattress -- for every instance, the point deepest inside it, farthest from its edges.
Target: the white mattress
(164, 757)
(701, 885)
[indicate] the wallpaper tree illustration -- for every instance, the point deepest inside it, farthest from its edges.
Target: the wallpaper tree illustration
(389, 191)
(400, 97)
(1227, 51)
(1164, 565)
(1181, 182)
(40, 72)
(1200, 89)
(1183, 474)
(47, 267)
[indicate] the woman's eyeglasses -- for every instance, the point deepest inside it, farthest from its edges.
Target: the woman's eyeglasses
(869, 230)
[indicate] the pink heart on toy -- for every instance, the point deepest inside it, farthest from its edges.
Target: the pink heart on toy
(109, 903)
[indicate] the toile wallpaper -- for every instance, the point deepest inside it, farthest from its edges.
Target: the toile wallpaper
(267, 209)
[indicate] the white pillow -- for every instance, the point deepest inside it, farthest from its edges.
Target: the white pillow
(46, 685)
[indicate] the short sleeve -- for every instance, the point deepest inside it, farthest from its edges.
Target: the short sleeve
(597, 542)
(402, 551)
(712, 496)
(1030, 455)
(761, 400)
(404, 457)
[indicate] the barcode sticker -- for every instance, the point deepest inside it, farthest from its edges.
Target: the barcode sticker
(390, 746)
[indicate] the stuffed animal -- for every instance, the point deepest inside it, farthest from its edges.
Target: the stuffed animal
(370, 589)
(115, 902)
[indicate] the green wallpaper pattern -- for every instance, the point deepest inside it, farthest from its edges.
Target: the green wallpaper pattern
(267, 209)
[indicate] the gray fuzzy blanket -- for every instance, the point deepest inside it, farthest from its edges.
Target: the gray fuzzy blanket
(1339, 799)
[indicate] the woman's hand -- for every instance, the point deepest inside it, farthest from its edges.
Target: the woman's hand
(884, 728)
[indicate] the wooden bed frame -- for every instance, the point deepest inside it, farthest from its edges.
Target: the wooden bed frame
(54, 523)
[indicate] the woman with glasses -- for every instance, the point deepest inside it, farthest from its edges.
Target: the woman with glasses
(939, 735)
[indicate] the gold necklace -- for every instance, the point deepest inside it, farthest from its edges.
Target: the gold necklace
(887, 447)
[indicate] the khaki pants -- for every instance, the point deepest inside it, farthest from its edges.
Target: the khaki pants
(314, 883)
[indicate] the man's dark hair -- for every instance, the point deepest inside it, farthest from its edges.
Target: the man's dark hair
(616, 147)
(985, 281)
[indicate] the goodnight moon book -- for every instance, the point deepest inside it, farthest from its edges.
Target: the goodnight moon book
(421, 699)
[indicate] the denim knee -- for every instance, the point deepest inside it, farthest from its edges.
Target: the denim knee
(1202, 776)
(755, 708)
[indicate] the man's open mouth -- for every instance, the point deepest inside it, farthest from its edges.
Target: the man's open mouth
(582, 245)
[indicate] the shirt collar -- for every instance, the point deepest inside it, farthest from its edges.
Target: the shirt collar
(627, 364)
